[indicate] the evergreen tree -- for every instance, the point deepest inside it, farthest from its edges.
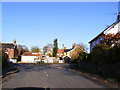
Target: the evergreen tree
(55, 48)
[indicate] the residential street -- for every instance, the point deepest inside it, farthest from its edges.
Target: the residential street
(48, 76)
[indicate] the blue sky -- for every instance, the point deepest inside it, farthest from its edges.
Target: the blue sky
(39, 23)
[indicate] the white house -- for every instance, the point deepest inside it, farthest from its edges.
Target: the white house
(30, 57)
(112, 29)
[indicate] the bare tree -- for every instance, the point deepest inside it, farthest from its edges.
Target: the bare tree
(22, 49)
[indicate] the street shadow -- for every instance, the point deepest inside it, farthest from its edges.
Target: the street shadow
(31, 88)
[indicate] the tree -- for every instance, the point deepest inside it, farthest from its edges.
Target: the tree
(110, 39)
(22, 49)
(55, 48)
(100, 53)
(35, 49)
(50, 46)
(82, 46)
(4, 58)
(45, 49)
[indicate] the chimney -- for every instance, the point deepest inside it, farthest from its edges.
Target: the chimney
(65, 47)
(14, 42)
(74, 45)
(118, 17)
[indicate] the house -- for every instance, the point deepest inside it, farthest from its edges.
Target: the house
(60, 52)
(72, 54)
(112, 29)
(30, 57)
(10, 49)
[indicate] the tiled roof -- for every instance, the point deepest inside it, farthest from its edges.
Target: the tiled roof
(31, 54)
(60, 51)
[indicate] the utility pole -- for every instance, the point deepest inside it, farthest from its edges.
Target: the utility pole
(63, 49)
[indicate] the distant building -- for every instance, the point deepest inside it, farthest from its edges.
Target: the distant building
(10, 49)
(72, 54)
(60, 52)
(30, 57)
(112, 29)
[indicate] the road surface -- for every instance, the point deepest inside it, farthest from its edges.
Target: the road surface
(48, 76)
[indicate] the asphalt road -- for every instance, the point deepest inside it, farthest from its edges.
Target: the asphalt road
(48, 76)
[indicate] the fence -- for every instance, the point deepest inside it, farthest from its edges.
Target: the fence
(109, 70)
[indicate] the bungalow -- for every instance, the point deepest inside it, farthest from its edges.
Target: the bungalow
(112, 29)
(30, 57)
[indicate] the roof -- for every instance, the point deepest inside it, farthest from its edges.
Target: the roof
(102, 33)
(67, 50)
(75, 52)
(7, 45)
(60, 51)
(31, 54)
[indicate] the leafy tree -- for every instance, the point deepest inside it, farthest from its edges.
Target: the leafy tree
(110, 39)
(100, 53)
(55, 48)
(35, 49)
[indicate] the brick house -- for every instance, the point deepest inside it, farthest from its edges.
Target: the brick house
(10, 49)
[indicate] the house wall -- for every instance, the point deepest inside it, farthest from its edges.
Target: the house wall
(11, 53)
(95, 42)
(28, 59)
(112, 30)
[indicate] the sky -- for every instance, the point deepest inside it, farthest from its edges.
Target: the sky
(39, 23)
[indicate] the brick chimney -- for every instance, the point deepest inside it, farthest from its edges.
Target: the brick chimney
(74, 45)
(65, 47)
(14, 42)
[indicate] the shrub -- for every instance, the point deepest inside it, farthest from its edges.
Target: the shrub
(14, 58)
(114, 54)
(4, 58)
(83, 56)
(100, 53)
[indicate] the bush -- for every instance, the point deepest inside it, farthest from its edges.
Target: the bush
(114, 54)
(14, 58)
(100, 53)
(4, 58)
(83, 56)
